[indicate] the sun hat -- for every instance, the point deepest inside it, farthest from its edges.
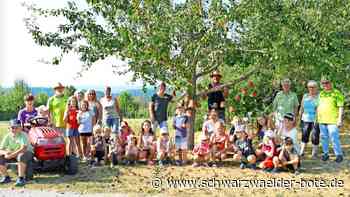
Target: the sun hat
(58, 86)
(215, 73)
(289, 116)
(15, 123)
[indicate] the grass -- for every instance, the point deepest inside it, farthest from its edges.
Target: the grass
(137, 179)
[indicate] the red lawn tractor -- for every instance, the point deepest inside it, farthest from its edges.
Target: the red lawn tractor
(49, 149)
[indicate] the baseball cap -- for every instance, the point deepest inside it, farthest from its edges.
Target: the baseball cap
(289, 116)
(15, 123)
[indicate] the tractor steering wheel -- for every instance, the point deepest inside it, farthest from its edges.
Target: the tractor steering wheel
(38, 121)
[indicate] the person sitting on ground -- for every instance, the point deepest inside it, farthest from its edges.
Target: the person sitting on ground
(16, 147)
(219, 143)
(262, 126)
(267, 151)
(288, 159)
(181, 126)
(131, 150)
(147, 143)
(209, 125)
(243, 149)
(201, 152)
(289, 130)
(164, 148)
(98, 146)
(121, 141)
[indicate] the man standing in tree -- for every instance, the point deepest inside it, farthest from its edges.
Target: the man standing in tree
(216, 100)
(158, 108)
(330, 110)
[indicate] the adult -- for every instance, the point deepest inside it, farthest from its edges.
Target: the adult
(308, 119)
(28, 112)
(158, 108)
(111, 114)
(15, 147)
(330, 111)
(289, 130)
(57, 106)
(209, 125)
(94, 106)
(216, 100)
(285, 102)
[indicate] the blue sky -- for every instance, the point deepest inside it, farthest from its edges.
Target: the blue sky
(19, 55)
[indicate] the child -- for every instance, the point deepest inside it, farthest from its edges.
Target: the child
(181, 125)
(121, 141)
(243, 149)
(85, 121)
(43, 111)
(267, 151)
(202, 152)
(147, 143)
(262, 126)
(164, 148)
(219, 142)
(209, 125)
(71, 120)
(288, 159)
(131, 150)
(98, 146)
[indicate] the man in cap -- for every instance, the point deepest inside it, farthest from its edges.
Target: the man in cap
(16, 147)
(330, 111)
(285, 102)
(57, 106)
(216, 100)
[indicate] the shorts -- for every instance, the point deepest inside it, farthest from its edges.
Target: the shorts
(111, 123)
(268, 163)
(161, 125)
(22, 157)
(85, 134)
(72, 132)
(180, 143)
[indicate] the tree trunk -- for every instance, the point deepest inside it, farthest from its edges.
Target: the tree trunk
(193, 96)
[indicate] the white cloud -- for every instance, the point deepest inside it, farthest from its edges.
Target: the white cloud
(21, 54)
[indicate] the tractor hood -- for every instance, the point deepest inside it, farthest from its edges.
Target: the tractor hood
(43, 132)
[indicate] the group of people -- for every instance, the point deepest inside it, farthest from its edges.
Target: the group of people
(96, 133)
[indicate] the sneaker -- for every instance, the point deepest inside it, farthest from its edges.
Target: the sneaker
(242, 165)
(214, 165)
(252, 166)
(314, 157)
(20, 182)
(267, 169)
(195, 165)
(160, 163)
(297, 172)
(275, 170)
(5, 180)
(325, 157)
(339, 158)
(205, 165)
(178, 163)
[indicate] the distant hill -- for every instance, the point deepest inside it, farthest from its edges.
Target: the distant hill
(137, 92)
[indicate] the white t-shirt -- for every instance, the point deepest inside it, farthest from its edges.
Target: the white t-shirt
(209, 126)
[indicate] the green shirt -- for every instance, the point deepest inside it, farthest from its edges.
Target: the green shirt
(285, 103)
(328, 106)
(57, 107)
(13, 143)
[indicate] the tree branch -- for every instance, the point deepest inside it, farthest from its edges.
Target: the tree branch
(228, 84)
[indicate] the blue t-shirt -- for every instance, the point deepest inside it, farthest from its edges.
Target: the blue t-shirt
(309, 105)
(178, 121)
(85, 122)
